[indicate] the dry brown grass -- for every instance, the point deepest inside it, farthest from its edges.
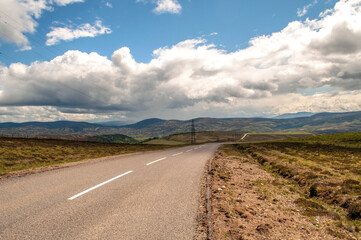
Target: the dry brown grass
(326, 169)
(205, 137)
(250, 203)
(25, 153)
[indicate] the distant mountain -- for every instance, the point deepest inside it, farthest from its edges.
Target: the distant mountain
(294, 115)
(51, 125)
(52, 128)
(145, 123)
(114, 123)
(317, 123)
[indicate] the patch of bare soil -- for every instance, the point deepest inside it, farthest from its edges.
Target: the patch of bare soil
(249, 203)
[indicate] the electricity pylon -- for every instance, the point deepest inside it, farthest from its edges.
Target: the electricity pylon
(193, 134)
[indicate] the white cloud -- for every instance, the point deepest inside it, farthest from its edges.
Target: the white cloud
(19, 17)
(194, 77)
(66, 2)
(69, 33)
(109, 5)
(304, 10)
(341, 101)
(167, 6)
(40, 113)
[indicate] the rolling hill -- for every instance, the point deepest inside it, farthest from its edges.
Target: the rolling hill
(294, 115)
(318, 123)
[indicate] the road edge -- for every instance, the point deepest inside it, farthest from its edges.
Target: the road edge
(204, 224)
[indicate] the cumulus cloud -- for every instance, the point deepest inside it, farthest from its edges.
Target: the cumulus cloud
(69, 33)
(66, 2)
(19, 17)
(40, 113)
(303, 11)
(165, 6)
(194, 76)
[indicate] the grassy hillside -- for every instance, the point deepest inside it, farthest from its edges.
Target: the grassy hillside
(256, 137)
(325, 169)
(24, 153)
(164, 141)
(318, 123)
(108, 138)
(113, 138)
(347, 140)
(206, 137)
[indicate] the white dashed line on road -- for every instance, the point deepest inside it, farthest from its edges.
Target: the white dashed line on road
(156, 161)
(245, 135)
(99, 185)
(177, 154)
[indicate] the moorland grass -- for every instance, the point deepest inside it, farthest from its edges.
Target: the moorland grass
(326, 169)
(25, 153)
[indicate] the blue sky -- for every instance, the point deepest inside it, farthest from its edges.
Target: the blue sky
(101, 60)
(135, 25)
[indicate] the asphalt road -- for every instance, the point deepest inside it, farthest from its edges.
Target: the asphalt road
(144, 196)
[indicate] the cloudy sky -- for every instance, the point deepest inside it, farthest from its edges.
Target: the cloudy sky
(100, 60)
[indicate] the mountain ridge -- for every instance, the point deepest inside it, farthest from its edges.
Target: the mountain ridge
(294, 115)
(318, 123)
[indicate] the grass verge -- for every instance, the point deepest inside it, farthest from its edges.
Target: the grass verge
(27, 153)
(325, 170)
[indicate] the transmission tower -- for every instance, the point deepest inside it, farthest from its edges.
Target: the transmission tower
(193, 134)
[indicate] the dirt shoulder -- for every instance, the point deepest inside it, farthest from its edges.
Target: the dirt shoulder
(248, 202)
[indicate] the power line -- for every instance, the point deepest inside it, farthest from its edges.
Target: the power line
(8, 57)
(37, 53)
(36, 41)
(59, 83)
(40, 44)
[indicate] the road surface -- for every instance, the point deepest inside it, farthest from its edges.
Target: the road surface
(144, 196)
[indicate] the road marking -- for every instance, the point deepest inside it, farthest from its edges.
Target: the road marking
(99, 185)
(177, 154)
(156, 161)
(245, 135)
(189, 150)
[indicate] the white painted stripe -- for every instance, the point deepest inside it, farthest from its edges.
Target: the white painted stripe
(177, 154)
(99, 185)
(156, 161)
(245, 135)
